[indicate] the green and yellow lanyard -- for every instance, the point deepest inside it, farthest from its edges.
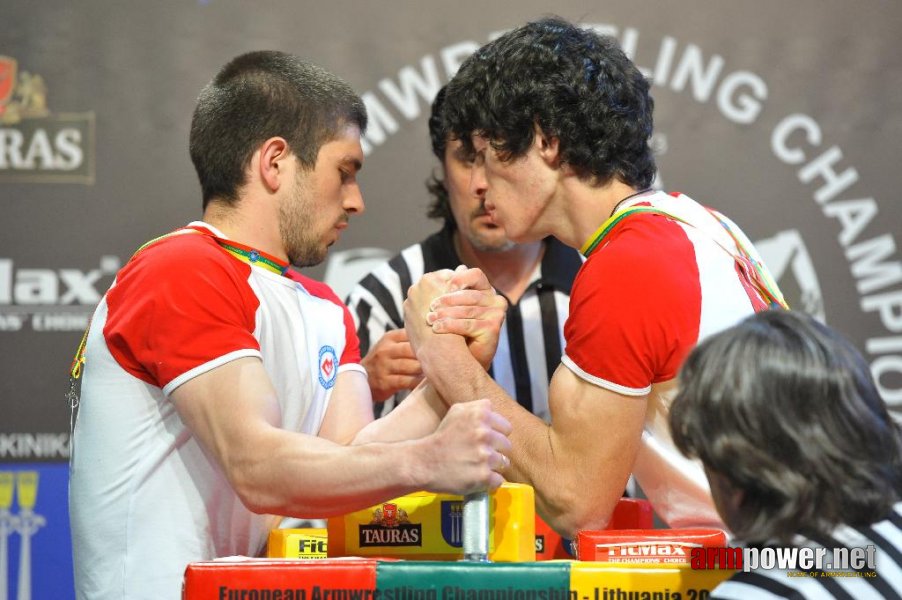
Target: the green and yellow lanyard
(240, 251)
(754, 271)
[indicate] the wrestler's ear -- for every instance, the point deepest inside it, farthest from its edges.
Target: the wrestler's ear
(272, 162)
(548, 147)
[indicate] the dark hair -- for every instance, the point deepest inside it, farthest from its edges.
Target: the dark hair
(785, 409)
(440, 206)
(576, 85)
(257, 96)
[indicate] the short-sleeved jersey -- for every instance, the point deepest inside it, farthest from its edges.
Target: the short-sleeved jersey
(144, 498)
(650, 293)
(645, 296)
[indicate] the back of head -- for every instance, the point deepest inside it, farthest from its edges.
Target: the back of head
(260, 95)
(576, 85)
(785, 410)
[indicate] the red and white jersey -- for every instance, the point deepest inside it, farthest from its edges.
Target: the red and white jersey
(650, 292)
(144, 498)
(647, 294)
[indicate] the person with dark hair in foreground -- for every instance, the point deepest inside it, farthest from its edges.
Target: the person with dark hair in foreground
(221, 388)
(558, 122)
(535, 278)
(799, 448)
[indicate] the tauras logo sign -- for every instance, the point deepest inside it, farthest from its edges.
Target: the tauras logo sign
(36, 145)
(390, 527)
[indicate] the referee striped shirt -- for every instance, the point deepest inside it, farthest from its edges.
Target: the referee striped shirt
(884, 582)
(531, 340)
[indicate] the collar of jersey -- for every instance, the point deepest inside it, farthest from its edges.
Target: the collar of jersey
(596, 238)
(241, 251)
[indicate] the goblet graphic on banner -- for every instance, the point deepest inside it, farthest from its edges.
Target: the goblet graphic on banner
(27, 524)
(8, 524)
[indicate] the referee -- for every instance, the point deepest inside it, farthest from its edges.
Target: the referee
(535, 278)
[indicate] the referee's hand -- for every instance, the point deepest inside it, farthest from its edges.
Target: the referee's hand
(391, 365)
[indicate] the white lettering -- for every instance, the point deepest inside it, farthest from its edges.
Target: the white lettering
(786, 558)
(604, 29)
(834, 183)
(39, 149)
(391, 536)
(665, 60)
(36, 286)
(788, 126)
(750, 559)
(42, 286)
(747, 107)
(628, 44)
(63, 153)
(703, 77)
(853, 216)
(381, 123)
(871, 274)
(453, 56)
(413, 87)
(884, 345)
(882, 367)
(11, 141)
(885, 304)
(806, 559)
(6, 281)
(81, 286)
(857, 558)
(68, 146)
(34, 445)
(11, 322)
(60, 321)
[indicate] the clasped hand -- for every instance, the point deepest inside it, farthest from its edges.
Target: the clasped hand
(460, 302)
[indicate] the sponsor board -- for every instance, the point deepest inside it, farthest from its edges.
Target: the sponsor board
(37, 145)
(34, 446)
(44, 300)
(390, 526)
(428, 526)
(35, 545)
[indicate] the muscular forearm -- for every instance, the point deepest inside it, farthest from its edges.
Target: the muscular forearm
(457, 377)
(298, 475)
(417, 416)
(579, 464)
(233, 413)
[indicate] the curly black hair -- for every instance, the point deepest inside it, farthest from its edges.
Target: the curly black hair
(440, 205)
(784, 409)
(576, 85)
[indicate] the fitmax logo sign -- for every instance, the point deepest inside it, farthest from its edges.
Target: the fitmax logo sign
(51, 299)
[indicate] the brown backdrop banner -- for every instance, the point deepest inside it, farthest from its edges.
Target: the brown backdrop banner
(787, 119)
(785, 116)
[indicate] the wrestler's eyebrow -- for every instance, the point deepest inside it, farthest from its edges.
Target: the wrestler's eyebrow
(461, 154)
(352, 161)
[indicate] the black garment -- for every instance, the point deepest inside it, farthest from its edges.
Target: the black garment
(531, 342)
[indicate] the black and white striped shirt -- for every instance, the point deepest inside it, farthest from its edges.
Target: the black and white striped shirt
(884, 535)
(531, 340)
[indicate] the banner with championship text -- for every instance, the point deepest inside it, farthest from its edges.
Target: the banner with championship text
(789, 125)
